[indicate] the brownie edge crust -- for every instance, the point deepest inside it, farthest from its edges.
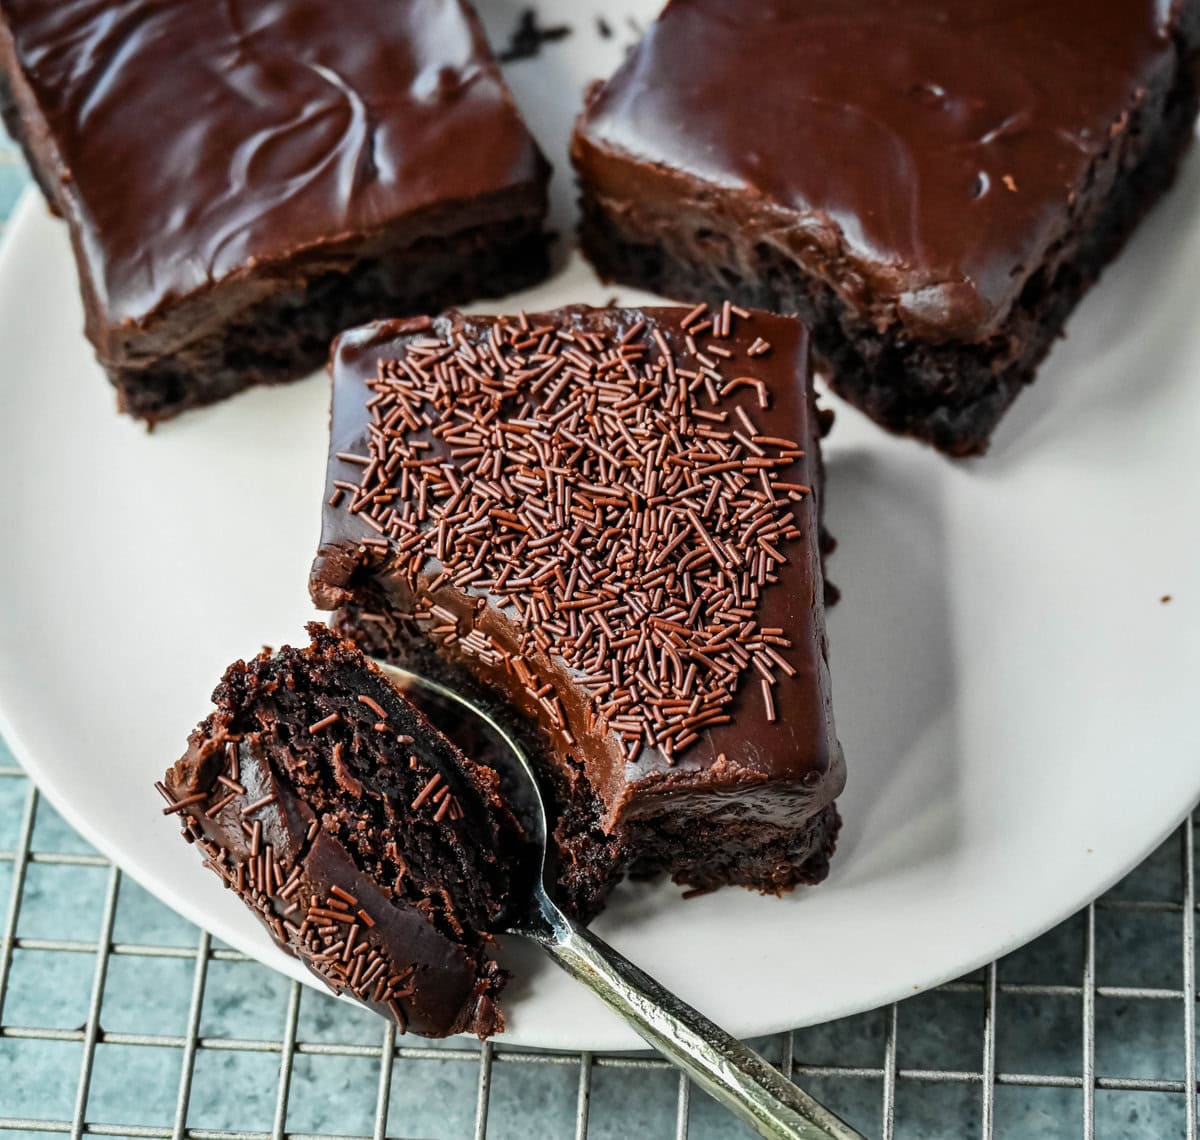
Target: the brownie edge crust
(286, 336)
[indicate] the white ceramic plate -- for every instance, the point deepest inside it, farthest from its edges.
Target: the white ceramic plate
(1017, 703)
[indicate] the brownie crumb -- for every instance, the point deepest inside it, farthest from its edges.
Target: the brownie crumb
(604, 28)
(529, 36)
(1165, 599)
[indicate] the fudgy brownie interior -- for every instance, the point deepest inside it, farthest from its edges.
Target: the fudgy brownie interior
(429, 825)
(585, 861)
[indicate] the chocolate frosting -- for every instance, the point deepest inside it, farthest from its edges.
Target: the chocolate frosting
(782, 770)
(921, 156)
(192, 142)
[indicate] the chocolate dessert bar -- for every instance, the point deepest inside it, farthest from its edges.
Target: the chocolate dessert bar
(368, 845)
(932, 186)
(605, 526)
(241, 181)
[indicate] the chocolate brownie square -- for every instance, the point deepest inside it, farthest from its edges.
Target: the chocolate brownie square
(932, 186)
(604, 525)
(243, 180)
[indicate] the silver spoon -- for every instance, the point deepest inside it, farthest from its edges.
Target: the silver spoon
(726, 1069)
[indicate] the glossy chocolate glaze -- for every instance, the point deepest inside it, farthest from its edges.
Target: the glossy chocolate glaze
(778, 773)
(920, 156)
(195, 143)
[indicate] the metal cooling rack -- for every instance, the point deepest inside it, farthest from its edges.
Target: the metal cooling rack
(946, 1063)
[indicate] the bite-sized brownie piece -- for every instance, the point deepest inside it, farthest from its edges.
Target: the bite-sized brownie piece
(932, 186)
(606, 523)
(241, 181)
(369, 846)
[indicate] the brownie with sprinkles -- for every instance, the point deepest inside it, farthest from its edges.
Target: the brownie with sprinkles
(932, 186)
(368, 845)
(605, 525)
(241, 181)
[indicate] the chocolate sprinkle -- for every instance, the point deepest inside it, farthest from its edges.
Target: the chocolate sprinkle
(530, 35)
(612, 494)
(324, 723)
(373, 705)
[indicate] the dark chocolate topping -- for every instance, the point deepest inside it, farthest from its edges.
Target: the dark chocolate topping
(380, 903)
(611, 515)
(921, 155)
(197, 140)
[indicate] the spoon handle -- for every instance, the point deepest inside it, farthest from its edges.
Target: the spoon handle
(721, 1065)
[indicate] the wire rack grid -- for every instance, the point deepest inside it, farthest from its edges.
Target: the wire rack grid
(243, 1054)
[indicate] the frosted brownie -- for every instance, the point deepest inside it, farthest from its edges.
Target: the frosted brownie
(932, 186)
(242, 181)
(606, 525)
